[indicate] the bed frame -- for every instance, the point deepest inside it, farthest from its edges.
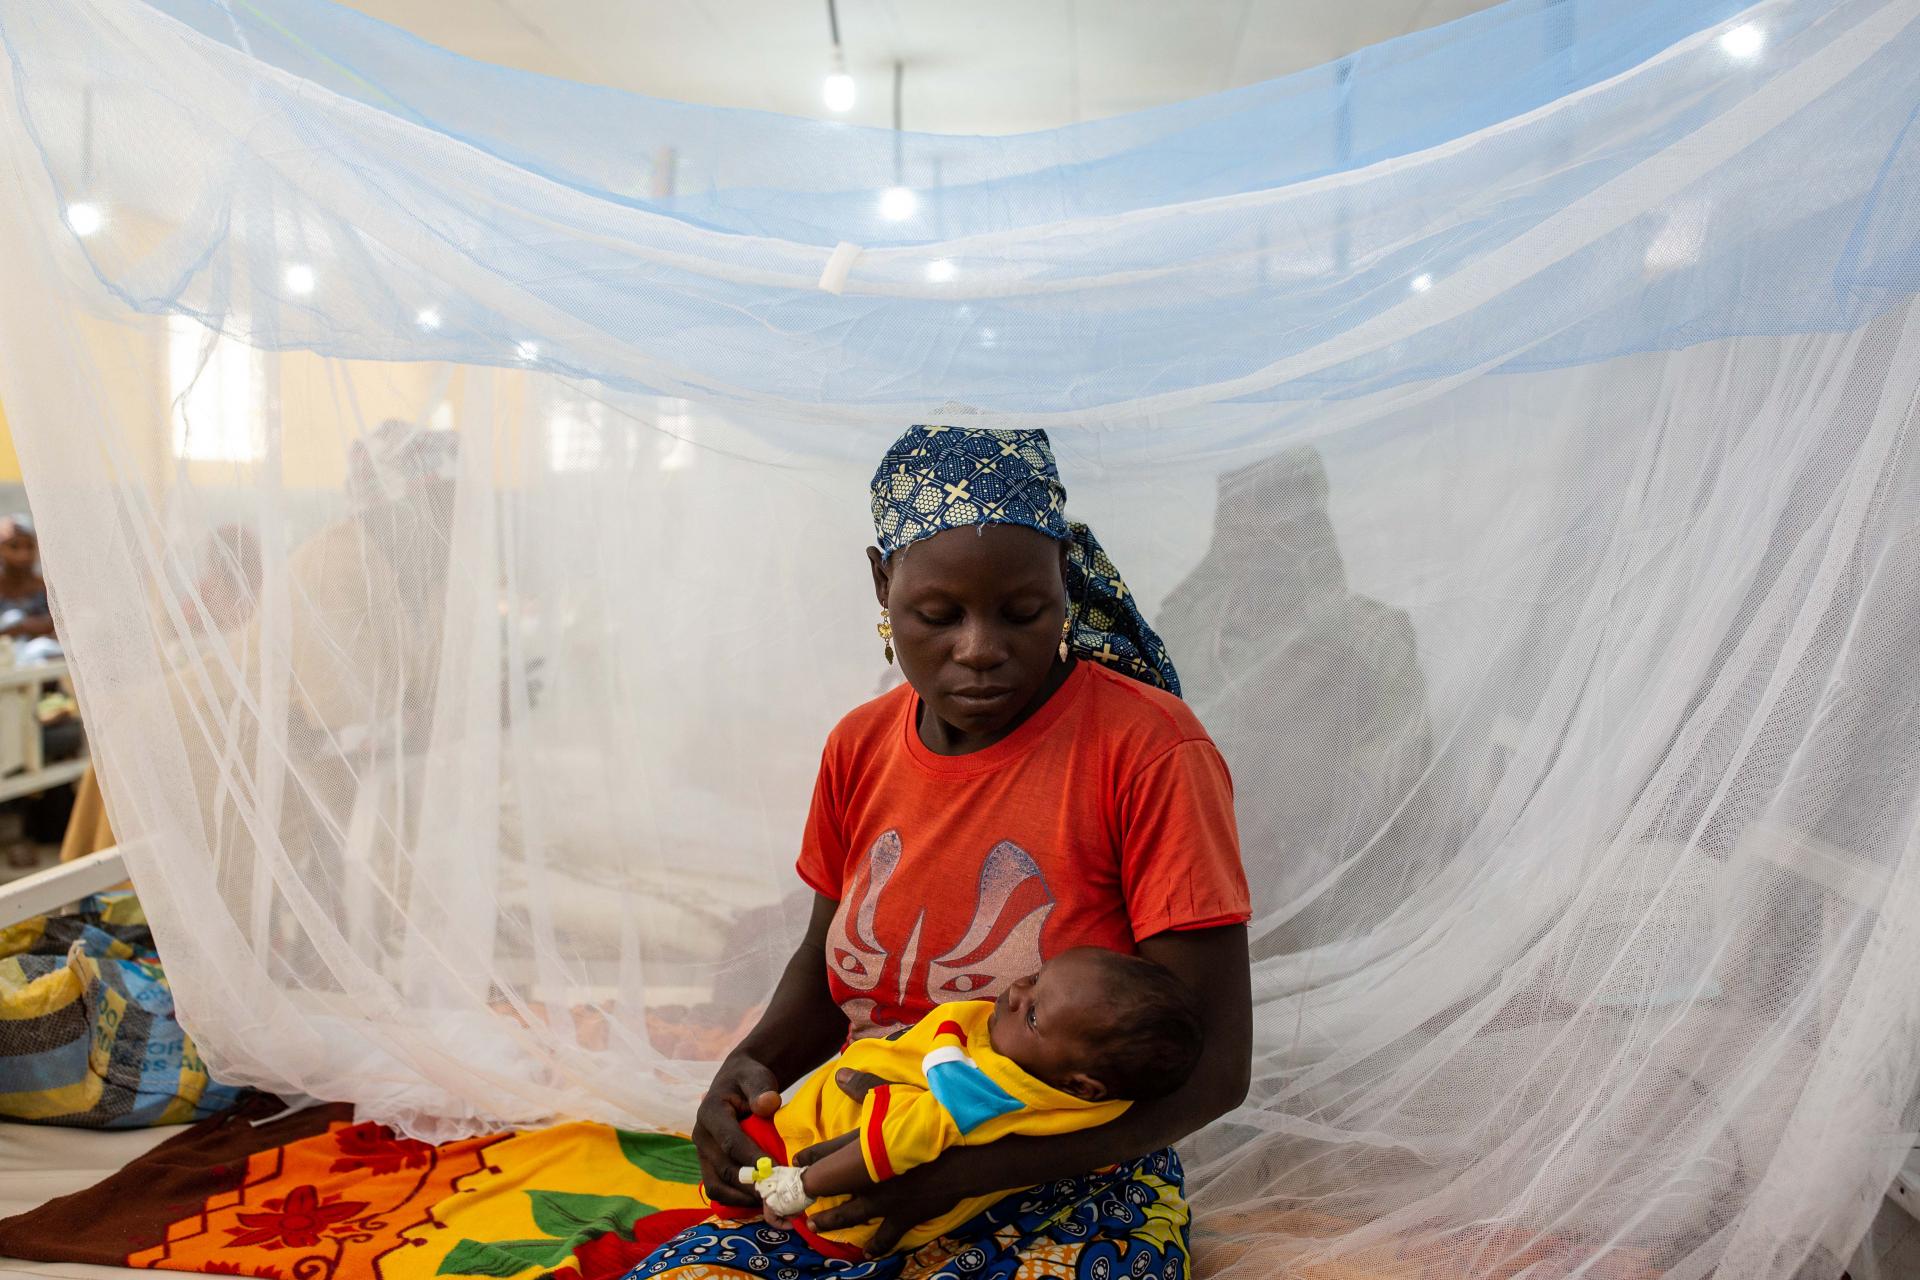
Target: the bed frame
(20, 690)
(60, 886)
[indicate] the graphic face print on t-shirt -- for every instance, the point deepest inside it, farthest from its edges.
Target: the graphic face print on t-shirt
(915, 929)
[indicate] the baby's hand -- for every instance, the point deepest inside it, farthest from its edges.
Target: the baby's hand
(782, 1188)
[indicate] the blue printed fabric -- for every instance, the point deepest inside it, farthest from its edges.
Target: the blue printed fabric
(1129, 1222)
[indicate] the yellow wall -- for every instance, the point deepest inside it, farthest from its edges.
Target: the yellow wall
(314, 393)
(9, 461)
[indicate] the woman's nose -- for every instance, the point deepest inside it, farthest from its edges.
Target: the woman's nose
(980, 648)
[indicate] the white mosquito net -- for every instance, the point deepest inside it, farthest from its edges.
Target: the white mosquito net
(452, 483)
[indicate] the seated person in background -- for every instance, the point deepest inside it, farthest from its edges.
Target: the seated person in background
(369, 595)
(1070, 1047)
(220, 602)
(23, 593)
(26, 622)
(228, 585)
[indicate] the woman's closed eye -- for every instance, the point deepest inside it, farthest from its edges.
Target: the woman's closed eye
(937, 620)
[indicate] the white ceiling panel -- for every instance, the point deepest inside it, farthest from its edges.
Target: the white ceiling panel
(979, 66)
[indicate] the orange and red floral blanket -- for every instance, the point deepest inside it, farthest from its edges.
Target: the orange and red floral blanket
(313, 1196)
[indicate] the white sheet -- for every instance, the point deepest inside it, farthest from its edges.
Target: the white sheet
(37, 1164)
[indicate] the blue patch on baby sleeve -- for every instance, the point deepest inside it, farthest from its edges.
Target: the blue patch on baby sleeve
(968, 1095)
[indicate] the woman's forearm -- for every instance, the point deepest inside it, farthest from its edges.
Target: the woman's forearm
(1026, 1161)
(802, 1026)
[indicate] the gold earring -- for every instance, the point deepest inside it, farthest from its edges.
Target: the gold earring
(885, 628)
(1066, 633)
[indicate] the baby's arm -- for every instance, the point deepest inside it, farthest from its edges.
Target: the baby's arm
(842, 1173)
(909, 1128)
(788, 1191)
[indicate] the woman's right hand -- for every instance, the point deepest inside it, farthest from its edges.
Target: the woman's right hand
(742, 1086)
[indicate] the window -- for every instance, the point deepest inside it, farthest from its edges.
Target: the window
(214, 384)
(674, 435)
(576, 434)
(585, 434)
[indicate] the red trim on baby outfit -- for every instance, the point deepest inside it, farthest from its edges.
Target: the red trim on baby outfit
(876, 1140)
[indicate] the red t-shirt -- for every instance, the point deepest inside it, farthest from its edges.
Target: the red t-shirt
(1106, 818)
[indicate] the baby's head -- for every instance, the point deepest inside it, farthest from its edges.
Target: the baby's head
(1099, 1024)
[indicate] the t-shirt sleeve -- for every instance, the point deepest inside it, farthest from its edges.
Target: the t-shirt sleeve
(902, 1126)
(1179, 848)
(823, 850)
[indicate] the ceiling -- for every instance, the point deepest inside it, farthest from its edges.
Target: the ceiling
(970, 66)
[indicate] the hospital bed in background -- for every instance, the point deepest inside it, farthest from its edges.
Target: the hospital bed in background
(24, 770)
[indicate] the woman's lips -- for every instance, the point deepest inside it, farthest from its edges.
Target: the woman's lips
(979, 699)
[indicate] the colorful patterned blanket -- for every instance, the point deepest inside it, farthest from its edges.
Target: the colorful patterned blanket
(313, 1196)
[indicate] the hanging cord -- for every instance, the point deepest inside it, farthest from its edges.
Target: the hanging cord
(833, 33)
(899, 163)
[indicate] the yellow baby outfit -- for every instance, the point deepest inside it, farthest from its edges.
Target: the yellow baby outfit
(947, 1087)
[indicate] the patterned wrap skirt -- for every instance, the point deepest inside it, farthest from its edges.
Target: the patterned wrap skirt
(1128, 1222)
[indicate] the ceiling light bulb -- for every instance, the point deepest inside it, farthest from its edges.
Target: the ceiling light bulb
(897, 204)
(428, 318)
(1744, 41)
(300, 279)
(528, 351)
(84, 218)
(1421, 283)
(839, 91)
(941, 270)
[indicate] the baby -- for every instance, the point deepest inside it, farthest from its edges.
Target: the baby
(1068, 1048)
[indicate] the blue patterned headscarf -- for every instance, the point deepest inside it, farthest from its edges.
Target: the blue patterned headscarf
(939, 478)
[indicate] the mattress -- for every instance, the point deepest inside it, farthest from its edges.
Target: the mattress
(38, 1163)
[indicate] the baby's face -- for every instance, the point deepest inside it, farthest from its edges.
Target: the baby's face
(1049, 1022)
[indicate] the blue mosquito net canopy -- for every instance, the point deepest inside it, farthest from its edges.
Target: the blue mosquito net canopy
(453, 484)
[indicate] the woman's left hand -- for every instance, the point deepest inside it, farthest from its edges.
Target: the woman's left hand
(856, 1085)
(901, 1203)
(821, 1150)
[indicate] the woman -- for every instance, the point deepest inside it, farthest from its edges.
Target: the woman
(220, 603)
(1012, 800)
(24, 614)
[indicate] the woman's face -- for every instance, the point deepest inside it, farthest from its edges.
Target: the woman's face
(19, 550)
(976, 621)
